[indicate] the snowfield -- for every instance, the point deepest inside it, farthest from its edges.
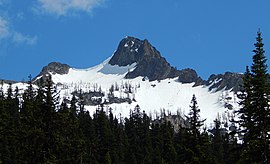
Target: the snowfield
(153, 97)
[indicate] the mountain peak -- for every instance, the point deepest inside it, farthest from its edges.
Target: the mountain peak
(127, 52)
(132, 50)
(55, 68)
(148, 60)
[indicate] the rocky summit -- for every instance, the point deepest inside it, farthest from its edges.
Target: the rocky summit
(149, 62)
(152, 66)
(55, 68)
(228, 80)
(137, 74)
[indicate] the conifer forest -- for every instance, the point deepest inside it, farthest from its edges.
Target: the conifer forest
(38, 127)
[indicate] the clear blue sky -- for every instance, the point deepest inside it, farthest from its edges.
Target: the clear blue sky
(210, 36)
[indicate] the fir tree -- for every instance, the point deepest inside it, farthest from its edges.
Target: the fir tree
(51, 101)
(255, 114)
(217, 142)
(103, 132)
(168, 151)
(194, 119)
(31, 130)
(195, 124)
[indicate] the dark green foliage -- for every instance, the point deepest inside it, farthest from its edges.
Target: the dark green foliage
(217, 143)
(194, 120)
(193, 143)
(41, 130)
(255, 112)
(168, 151)
(138, 134)
(9, 121)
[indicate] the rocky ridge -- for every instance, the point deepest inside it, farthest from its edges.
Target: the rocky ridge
(55, 68)
(226, 81)
(149, 62)
(151, 65)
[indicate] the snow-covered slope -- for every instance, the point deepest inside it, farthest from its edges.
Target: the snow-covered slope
(152, 96)
(137, 74)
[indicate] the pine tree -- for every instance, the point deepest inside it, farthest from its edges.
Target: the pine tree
(246, 110)
(49, 122)
(103, 133)
(255, 114)
(69, 140)
(195, 124)
(31, 130)
(9, 123)
(138, 133)
(194, 119)
(217, 142)
(12, 107)
(87, 127)
(168, 151)
(156, 139)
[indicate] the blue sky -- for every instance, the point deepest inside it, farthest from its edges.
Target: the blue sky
(210, 36)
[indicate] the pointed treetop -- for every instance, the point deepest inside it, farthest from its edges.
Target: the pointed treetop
(259, 66)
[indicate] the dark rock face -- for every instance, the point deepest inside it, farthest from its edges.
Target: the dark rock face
(153, 68)
(149, 61)
(55, 68)
(188, 76)
(228, 81)
(127, 52)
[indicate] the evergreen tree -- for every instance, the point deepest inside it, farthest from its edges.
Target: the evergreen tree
(12, 107)
(156, 139)
(246, 111)
(138, 133)
(217, 143)
(168, 152)
(49, 122)
(9, 123)
(194, 120)
(255, 114)
(195, 124)
(89, 135)
(69, 140)
(103, 133)
(31, 130)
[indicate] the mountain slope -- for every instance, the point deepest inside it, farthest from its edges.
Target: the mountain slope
(138, 74)
(152, 96)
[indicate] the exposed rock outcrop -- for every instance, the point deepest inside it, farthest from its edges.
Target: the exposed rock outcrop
(152, 66)
(55, 68)
(226, 81)
(149, 61)
(189, 76)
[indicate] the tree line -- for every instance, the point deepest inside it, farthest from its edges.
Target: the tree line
(40, 130)
(36, 127)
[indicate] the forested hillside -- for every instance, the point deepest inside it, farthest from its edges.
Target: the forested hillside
(43, 130)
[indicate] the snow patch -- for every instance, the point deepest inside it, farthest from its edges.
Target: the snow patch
(115, 69)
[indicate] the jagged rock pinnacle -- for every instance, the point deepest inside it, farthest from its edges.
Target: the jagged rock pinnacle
(149, 61)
